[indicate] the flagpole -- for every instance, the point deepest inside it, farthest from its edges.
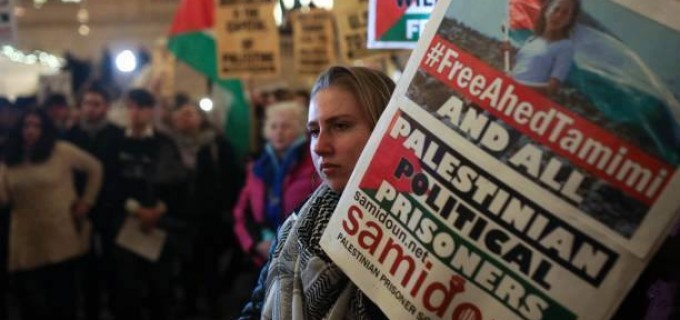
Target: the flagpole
(506, 36)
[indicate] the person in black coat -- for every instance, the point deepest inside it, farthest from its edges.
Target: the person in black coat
(95, 134)
(151, 188)
(216, 178)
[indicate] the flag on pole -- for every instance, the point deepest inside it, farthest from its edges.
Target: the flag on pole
(192, 41)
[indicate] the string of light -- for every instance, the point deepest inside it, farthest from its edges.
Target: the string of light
(35, 57)
(82, 16)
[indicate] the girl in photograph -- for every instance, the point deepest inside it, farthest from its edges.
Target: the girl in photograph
(544, 61)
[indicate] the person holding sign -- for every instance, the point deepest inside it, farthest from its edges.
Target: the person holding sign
(544, 61)
(346, 103)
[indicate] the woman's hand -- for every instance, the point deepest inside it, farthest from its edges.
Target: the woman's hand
(80, 209)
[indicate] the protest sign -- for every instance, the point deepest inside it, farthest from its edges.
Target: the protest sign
(313, 41)
(397, 24)
(352, 20)
(247, 39)
(162, 78)
(496, 195)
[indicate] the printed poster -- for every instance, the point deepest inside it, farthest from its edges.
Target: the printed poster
(163, 71)
(397, 24)
(508, 187)
(247, 39)
(313, 41)
(351, 18)
(7, 24)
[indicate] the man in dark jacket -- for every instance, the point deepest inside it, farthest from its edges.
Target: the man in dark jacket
(95, 134)
(217, 178)
(152, 182)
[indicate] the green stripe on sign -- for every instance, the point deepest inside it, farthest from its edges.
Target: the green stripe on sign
(410, 25)
(555, 311)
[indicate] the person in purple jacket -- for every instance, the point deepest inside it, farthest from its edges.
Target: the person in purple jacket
(277, 182)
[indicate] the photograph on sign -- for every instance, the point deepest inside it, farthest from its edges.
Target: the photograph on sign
(603, 136)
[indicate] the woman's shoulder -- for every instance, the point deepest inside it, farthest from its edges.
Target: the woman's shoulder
(65, 147)
(69, 152)
(563, 44)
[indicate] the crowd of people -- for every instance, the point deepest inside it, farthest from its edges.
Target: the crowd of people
(76, 188)
(81, 194)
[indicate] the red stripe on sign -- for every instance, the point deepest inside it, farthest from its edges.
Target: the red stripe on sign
(585, 144)
(387, 158)
(192, 16)
(387, 14)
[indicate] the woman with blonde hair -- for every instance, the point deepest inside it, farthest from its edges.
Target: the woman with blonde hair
(277, 182)
(346, 103)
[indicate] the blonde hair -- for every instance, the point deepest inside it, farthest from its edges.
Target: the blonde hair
(371, 88)
(291, 107)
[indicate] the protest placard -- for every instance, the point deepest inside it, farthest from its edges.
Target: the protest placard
(351, 18)
(313, 41)
(163, 71)
(500, 195)
(247, 39)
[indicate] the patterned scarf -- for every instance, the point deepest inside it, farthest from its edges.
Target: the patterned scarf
(189, 145)
(302, 282)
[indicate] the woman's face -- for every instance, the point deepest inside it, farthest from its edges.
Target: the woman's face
(32, 130)
(559, 14)
(339, 131)
(282, 129)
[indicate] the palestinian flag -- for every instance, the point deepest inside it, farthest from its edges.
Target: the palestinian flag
(395, 24)
(523, 14)
(192, 41)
